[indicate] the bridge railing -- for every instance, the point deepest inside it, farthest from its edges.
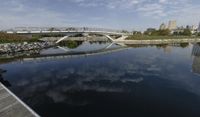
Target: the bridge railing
(59, 29)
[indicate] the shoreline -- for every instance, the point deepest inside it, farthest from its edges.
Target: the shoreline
(21, 47)
(159, 41)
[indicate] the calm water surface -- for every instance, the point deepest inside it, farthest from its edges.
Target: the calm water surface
(149, 81)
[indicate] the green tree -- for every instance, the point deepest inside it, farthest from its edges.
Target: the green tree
(184, 45)
(155, 33)
(176, 33)
(137, 33)
(198, 34)
(51, 29)
(164, 32)
(70, 44)
(187, 32)
(125, 31)
(150, 31)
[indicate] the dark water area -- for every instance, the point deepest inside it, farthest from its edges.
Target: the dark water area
(137, 81)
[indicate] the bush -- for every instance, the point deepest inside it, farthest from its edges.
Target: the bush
(187, 32)
(164, 32)
(198, 34)
(70, 44)
(157, 32)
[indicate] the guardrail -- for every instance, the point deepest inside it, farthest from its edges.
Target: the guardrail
(59, 29)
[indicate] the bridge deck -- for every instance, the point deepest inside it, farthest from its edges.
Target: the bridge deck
(11, 106)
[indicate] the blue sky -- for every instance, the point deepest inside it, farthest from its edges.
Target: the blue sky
(116, 14)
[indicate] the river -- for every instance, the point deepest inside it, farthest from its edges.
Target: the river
(108, 80)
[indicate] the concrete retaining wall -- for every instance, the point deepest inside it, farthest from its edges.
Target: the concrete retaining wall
(159, 41)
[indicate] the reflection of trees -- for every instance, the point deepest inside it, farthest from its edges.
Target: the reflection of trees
(98, 42)
(184, 45)
(161, 46)
(137, 45)
(196, 60)
(71, 44)
(4, 82)
(7, 60)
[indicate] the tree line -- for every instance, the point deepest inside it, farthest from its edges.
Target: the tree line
(167, 32)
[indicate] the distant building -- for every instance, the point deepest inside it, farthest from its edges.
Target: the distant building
(192, 28)
(163, 26)
(172, 25)
(180, 28)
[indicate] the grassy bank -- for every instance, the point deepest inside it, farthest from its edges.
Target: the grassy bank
(18, 41)
(13, 38)
(148, 37)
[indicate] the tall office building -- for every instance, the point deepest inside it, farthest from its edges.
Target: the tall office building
(163, 26)
(172, 25)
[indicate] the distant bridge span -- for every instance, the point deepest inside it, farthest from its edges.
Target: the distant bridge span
(123, 36)
(74, 32)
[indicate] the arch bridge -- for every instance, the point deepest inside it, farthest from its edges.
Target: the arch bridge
(121, 37)
(71, 31)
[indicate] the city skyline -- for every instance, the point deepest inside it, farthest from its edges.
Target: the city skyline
(121, 14)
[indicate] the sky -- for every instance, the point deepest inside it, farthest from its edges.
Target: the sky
(113, 14)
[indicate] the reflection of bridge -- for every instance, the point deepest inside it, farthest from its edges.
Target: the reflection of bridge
(105, 50)
(71, 32)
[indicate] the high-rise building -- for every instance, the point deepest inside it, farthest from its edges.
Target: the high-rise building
(163, 26)
(192, 28)
(172, 25)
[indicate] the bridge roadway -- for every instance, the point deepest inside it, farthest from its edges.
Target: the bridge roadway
(12, 106)
(65, 32)
(74, 33)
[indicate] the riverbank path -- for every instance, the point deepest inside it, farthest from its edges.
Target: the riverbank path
(12, 106)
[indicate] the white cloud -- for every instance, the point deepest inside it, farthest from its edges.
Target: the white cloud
(162, 1)
(154, 8)
(17, 13)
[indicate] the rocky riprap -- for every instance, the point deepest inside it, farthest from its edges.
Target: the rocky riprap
(20, 47)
